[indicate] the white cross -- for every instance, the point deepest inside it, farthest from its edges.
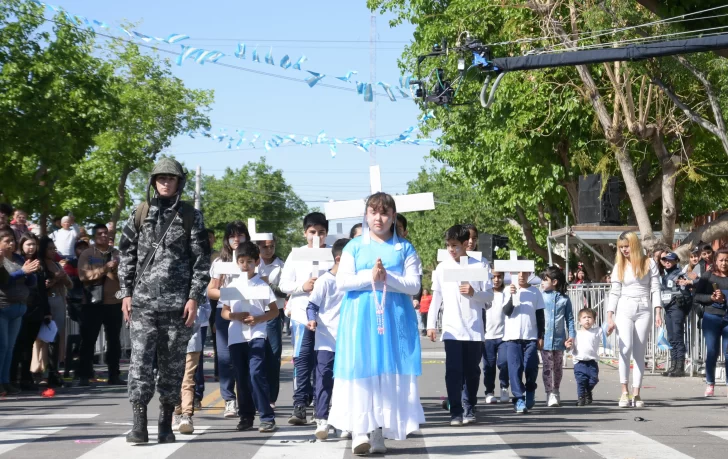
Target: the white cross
(245, 295)
(331, 238)
(465, 274)
(256, 236)
(514, 266)
(315, 255)
(356, 208)
(444, 255)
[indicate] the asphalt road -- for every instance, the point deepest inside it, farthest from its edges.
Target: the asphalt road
(678, 422)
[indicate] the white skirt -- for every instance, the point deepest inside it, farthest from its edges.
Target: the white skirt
(390, 402)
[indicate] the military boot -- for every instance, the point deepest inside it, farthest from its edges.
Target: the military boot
(668, 372)
(679, 370)
(139, 432)
(166, 413)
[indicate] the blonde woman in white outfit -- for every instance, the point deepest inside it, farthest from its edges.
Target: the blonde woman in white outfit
(635, 293)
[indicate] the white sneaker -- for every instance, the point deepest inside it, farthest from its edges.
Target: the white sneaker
(360, 445)
(322, 429)
(637, 402)
(505, 397)
(490, 399)
(553, 400)
(231, 409)
(175, 421)
(624, 401)
(345, 434)
(376, 438)
(185, 425)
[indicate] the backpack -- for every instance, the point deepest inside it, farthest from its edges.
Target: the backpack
(187, 211)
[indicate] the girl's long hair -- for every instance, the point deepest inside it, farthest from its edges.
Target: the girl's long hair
(557, 274)
(235, 228)
(639, 261)
(45, 241)
(29, 237)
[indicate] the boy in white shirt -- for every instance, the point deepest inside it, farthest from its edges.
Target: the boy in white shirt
(462, 326)
(246, 338)
(323, 309)
(585, 350)
(495, 355)
(297, 280)
(523, 334)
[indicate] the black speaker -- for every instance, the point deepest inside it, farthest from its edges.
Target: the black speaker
(487, 244)
(595, 209)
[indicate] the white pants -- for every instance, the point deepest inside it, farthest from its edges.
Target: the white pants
(633, 320)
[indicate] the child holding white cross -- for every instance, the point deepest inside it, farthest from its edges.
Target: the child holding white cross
(524, 332)
(462, 326)
(297, 280)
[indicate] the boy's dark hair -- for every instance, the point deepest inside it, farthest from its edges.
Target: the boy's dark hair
(315, 218)
(247, 249)
(706, 247)
(458, 232)
(97, 227)
(381, 202)
(470, 226)
(6, 209)
(353, 229)
(7, 231)
(588, 311)
(401, 219)
(81, 242)
(557, 274)
(338, 247)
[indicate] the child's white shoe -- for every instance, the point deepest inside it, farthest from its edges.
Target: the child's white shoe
(505, 397)
(185, 425)
(360, 445)
(345, 434)
(322, 429)
(376, 438)
(490, 399)
(553, 400)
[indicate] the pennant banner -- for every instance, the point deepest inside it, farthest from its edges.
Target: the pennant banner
(201, 56)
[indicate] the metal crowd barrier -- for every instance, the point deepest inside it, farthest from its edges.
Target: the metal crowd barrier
(596, 296)
(74, 328)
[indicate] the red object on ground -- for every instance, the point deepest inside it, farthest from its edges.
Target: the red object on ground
(48, 393)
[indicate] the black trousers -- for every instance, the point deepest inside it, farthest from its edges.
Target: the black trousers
(675, 322)
(23, 352)
(462, 368)
(92, 318)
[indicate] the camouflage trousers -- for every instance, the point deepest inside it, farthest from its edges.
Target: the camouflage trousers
(164, 335)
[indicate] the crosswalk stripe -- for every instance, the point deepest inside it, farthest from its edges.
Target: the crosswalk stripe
(295, 442)
(15, 438)
(119, 448)
(447, 442)
(626, 443)
(718, 433)
(41, 417)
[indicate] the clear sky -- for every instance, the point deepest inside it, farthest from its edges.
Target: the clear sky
(334, 35)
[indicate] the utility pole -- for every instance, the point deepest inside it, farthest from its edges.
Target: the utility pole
(198, 187)
(373, 81)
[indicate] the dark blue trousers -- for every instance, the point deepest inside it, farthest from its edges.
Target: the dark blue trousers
(675, 323)
(715, 327)
(304, 362)
(495, 356)
(522, 358)
(324, 382)
(462, 360)
(273, 352)
(586, 374)
(200, 373)
(253, 393)
(224, 367)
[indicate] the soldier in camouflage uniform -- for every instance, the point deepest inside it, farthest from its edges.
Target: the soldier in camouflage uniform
(161, 290)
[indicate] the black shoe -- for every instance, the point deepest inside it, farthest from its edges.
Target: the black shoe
(197, 404)
(678, 371)
(299, 416)
(116, 381)
(267, 427)
(84, 382)
(589, 399)
(581, 401)
(165, 435)
(139, 432)
(668, 372)
(11, 389)
(244, 424)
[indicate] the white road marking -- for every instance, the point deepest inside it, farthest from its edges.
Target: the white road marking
(475, 441)
(296, 443)
(119, 448)
(626, 444)
(15, 438)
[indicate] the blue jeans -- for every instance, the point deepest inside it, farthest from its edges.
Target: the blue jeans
(11, 318)
(253, 393)
(495, 356)
(304, 363)
(462, 373)
(522, 358)
(224, 366)
(586, 374)
(714, 327)
(324, 382)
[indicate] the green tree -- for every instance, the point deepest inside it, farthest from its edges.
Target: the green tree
(54, 100)
(255, 191)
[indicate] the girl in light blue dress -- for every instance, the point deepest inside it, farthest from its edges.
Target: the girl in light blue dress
(378, 345)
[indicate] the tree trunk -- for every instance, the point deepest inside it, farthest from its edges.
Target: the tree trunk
(121, 194)
(635, 196)
(531, 241)
(717, 229)
(669, 177)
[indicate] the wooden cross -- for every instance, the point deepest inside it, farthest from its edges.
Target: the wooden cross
(256, 236)
(356, 208)
(315, 255)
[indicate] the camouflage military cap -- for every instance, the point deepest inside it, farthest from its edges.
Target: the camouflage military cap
(168, 166)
